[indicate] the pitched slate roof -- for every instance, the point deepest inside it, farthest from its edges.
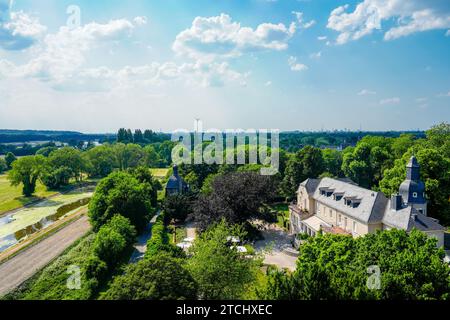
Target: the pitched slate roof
(374, 207)
(370, 209)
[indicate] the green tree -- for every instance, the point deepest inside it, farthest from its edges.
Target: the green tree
(434, 172)
(101, 161)
(3, 165)
(178, 206)
(10, 158)
(26, 171)
(221, 272)
(332, 162)
(409, 266)
(122, 193)
(160, 277)
(306, 163)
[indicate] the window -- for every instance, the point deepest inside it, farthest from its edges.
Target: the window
(414, 194)
(354, 226)
(339, 220)
(318, 208)
(345, 222)
(331, 213)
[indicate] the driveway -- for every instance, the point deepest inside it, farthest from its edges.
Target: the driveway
(272, 247)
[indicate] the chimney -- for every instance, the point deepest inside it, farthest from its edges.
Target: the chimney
(396, 202)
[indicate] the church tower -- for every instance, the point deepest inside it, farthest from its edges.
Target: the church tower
(412, 189)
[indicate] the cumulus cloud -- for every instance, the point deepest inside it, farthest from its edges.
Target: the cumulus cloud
(295, 66)
(316, 55)
(393, 100)
(18, 30)
(220, 36)
(61, 54)
(408, 17)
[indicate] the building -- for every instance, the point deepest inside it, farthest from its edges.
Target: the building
(340, 206)
(176, 184)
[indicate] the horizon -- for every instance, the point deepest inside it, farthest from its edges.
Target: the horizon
(291, 65)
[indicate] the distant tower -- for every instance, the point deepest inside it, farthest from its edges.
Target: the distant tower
(412, 189)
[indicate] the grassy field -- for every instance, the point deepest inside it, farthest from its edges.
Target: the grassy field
(159, 173)
(11, 197)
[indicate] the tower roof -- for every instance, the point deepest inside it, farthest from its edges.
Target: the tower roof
(413, 163)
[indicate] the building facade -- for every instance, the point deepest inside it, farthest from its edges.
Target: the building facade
(340, 206)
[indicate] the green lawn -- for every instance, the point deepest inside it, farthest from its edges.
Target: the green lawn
(11, 197)
(159, 173)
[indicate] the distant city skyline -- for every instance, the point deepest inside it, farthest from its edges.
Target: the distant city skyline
(309, 65)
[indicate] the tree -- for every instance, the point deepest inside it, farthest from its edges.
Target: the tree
(10, 158)
(144, 176)
(178, 206)
(26, 171)
(306, 163)
(64, 164)
(220, 271)
(332, 162)
(138, 136)
(235, 196)
(3, 165)
(101, 161)
(383, 266)
(120, 193)
(434, 172)
(160, 277)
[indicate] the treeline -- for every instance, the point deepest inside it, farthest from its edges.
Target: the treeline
(139, 137)
(17, 136)
(292, 141)
(57, 168)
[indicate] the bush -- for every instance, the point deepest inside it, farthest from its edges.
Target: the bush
(121, 193)
(160, 277)
(160, 241)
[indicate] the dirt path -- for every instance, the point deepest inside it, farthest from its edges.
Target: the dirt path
(21, 267)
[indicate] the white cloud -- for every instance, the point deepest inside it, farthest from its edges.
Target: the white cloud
(60, 55)
(447, 34)
(365, 92)
(18, 30)
(300, 20)
(394, 100)
(409, 17)
(140, 21)
(295, 66)
(221, 37)
(316, 55)
(322, 38)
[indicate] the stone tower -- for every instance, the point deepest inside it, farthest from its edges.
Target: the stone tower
(412, 189)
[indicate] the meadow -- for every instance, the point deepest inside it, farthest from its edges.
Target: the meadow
(11, 197)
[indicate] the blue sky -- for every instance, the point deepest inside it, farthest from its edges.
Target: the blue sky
(286, 64)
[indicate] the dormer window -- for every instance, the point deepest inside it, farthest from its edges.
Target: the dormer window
(338, 196)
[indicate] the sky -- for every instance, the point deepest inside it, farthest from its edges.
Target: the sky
(96, 66)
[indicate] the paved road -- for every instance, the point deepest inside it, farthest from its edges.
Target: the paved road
(140, 248)
(23, 266)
